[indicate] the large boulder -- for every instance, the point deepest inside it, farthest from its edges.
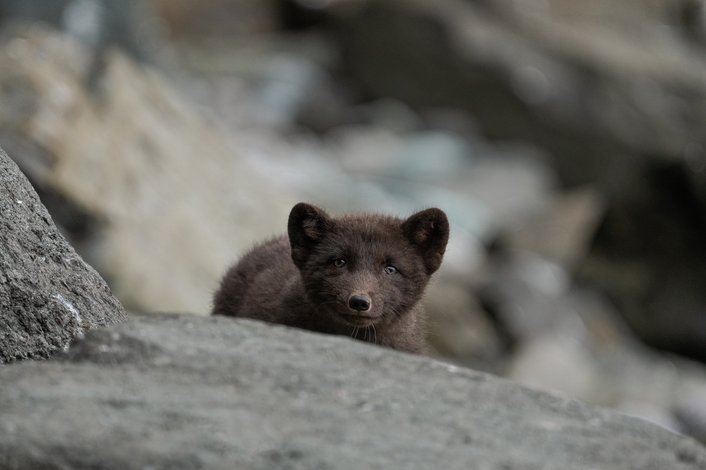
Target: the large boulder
(48, 295)
(196, 392)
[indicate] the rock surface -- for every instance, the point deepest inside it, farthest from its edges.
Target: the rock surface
(166, 391)
(48, 294)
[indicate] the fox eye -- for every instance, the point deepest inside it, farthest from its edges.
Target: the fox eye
(339, 262)
(390, 269)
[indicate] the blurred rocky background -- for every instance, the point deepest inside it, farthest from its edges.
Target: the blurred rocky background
(565, 139)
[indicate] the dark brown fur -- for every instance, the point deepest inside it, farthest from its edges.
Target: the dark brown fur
(300, 280)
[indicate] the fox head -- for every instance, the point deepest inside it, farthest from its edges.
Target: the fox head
(365, 269)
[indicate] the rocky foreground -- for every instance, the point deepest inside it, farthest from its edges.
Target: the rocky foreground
(171, 391)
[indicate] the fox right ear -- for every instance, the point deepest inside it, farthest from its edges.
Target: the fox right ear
(428, 230)
(307, 225)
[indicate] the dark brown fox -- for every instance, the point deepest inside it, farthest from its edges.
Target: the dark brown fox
(361, 276)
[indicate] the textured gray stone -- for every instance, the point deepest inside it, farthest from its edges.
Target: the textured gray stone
(48, 294)
(194, 392)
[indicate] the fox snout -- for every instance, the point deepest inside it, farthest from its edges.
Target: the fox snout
(359, 302)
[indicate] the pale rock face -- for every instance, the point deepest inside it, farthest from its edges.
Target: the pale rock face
(133, 157)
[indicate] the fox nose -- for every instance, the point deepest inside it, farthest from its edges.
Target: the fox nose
(359, 302)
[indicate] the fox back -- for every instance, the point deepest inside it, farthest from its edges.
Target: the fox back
(359, 275)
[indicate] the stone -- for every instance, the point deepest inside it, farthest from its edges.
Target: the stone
(459, 329)
(285, 88)
(216, 18)
(132, 26)
(48, 295)
(208, 392)
(562, 230)
(527, 294)
(557, 362)
(649, 256)
(570, 340)
(690, 410)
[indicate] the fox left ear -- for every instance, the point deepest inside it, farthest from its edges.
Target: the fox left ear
(428, 230)
(306, 227)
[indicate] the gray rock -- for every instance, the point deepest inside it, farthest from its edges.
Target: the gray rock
(48, 294)
(563, 230)
(459, 329)
(529, 294)
(132, 26)
(571, 341)
(558, 362)
(195, 392)
(217, 18)
(289, 81)
(690, 411)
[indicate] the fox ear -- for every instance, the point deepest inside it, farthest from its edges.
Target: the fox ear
(428, 230)
(307, 225)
